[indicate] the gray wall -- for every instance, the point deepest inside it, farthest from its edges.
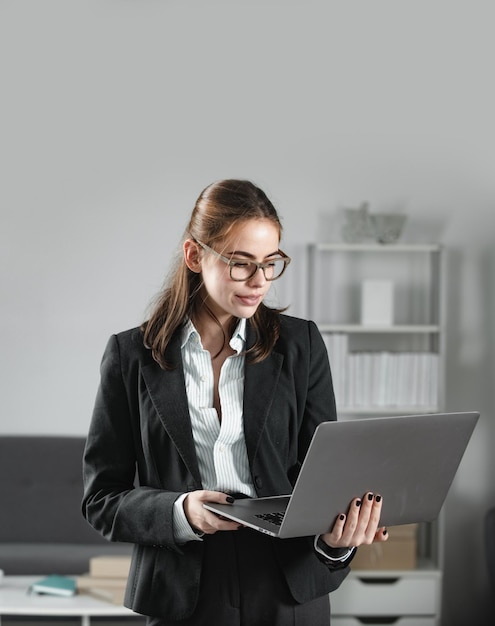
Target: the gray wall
(115, 114)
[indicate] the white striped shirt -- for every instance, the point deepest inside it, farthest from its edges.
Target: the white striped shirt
(220, 445)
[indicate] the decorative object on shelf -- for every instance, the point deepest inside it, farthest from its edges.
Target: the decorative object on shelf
(377, 302)
(387, 227)
(356, 227)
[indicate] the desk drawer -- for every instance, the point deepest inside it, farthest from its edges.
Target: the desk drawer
(399, 621)
(403, 595)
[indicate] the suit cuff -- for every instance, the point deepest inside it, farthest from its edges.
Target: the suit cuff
(182, 529)
(336, 555)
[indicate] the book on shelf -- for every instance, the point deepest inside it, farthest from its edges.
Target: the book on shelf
(54, 585)
(382, 379)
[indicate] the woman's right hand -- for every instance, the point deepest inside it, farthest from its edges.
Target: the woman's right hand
(202, 520)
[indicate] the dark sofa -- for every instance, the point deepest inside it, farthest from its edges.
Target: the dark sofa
(42, 530)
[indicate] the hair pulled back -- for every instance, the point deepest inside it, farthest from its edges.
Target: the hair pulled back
(220, 207)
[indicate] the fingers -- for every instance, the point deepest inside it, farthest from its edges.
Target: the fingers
(334, 538)
(203, 520)
(360, 525)
(363, 519)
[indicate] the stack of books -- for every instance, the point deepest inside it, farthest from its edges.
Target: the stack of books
(106, 579)
(382, 379)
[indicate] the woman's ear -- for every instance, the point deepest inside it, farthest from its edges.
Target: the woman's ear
(192, 255)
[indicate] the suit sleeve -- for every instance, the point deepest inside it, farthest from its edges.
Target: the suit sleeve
(112, 503)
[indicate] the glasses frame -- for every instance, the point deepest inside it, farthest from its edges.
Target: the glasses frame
(232, 263)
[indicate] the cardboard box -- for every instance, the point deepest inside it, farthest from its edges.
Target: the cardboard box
(110, 566)
(398, 552)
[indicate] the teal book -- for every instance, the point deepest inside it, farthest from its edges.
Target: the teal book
(55, 585)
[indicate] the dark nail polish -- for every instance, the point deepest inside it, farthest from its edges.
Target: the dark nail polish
(342, 518)
(385, 531)
(370, 497)
(358, 502)
(378, 498)
(230, 499)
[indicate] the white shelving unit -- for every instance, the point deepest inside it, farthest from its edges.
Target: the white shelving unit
(414, 340)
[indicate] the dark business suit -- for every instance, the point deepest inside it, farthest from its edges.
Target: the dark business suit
(141, 417)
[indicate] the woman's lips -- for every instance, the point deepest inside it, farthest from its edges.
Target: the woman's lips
(252, 300)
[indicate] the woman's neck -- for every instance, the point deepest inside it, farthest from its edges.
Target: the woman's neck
(215, 334)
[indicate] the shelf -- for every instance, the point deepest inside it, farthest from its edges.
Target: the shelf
(374, 247)
(396, 328)
(384, 371)
(386, 410)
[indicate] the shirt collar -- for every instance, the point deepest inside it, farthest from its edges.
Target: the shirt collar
(237, 341)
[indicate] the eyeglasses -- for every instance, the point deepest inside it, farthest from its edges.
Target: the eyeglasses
(241, 270)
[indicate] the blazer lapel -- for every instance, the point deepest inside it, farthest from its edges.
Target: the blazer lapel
(168, 394)
(259, 390)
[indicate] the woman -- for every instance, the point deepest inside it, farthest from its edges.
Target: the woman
(217, 397)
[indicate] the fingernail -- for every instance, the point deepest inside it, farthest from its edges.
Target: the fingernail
(342, 518)
(385, 531)
(370, 497)
(378, 498)
(358, 502)
(230, 499)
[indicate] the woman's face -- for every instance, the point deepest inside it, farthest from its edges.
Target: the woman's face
(253, 240)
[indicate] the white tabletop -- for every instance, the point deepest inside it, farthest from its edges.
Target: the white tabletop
(15, 600)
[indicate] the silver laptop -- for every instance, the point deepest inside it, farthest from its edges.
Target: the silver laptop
(409, 460)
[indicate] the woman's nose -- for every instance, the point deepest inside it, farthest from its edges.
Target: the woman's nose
(258, 278)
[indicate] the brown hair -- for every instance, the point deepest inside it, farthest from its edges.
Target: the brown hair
(219, 207)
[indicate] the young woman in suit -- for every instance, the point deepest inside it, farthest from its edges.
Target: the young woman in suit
(217, 397)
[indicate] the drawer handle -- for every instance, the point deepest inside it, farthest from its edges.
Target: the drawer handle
(378, 581)
(378, 620)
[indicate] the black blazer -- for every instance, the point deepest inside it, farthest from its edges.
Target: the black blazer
(141, 420)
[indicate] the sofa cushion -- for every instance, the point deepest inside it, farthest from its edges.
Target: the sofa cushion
(42, 529)
(41, 490)
(54, 558)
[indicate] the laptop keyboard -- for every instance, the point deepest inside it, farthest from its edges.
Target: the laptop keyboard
(273, 518)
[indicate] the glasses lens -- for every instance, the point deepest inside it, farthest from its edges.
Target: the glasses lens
(275, 269)
(245, 271)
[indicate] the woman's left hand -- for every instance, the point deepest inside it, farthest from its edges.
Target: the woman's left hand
(359, 526)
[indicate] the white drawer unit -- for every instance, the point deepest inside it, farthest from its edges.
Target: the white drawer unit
(404, 599)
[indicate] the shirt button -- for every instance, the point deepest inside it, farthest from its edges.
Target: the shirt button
(203, 379)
